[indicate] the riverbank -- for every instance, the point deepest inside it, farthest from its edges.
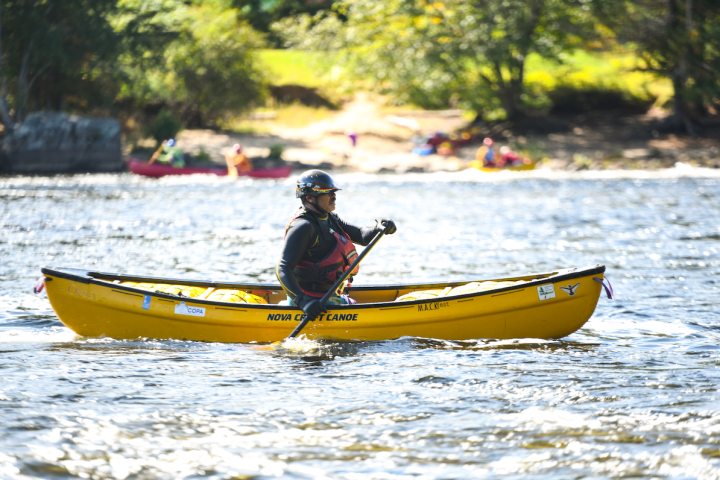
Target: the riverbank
(595, 141)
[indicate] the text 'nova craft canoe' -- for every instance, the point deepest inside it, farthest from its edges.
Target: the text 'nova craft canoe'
(547, 305)
(157, 170)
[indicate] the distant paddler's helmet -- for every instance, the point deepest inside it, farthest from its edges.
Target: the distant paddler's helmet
(237, 148)
(171, 142)
(314, 183)
(488, 142)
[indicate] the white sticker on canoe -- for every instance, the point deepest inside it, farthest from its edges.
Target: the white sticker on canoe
(546, 291)
(183, 309)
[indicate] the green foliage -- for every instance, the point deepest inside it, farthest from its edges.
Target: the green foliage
(444, 53)
(261, 14)
(164, 127)
(276, 151)
(294, 67)
(194, 56)
(202, 156)
(602, 71)
(51, 53)
(676, 39)
(581, 160)
(207, 67)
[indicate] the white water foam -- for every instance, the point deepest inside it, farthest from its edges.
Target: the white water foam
(34, 335)
(679, 170)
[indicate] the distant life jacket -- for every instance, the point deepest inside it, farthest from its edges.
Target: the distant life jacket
(171, 154)
(486, 155)
(321, 275)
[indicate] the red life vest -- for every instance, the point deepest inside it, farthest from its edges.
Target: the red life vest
(329, 269)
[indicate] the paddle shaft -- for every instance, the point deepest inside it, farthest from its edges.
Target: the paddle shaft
(340, 280)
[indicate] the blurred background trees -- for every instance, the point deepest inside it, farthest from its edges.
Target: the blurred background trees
(196, 58)
(435, 54)
(50, 53)
(193, 57)
(204, 61)
(676, 39)
(444, 53)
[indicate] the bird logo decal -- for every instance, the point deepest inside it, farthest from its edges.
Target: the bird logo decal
(570, 289)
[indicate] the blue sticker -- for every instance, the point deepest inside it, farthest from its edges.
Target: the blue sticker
(146, 302)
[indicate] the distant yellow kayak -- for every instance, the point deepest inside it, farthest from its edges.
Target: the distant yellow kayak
(546, 305)
(514, 168)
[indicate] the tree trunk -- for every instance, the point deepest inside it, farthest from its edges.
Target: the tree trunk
(677, 36)
(7, 120)
(508, 96)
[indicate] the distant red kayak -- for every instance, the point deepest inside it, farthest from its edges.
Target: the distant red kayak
(157, 170)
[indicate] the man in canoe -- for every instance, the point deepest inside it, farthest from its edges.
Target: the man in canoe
(170, 154)
(319, 245)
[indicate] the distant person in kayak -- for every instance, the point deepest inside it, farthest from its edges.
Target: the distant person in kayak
(510, 158)
(486, 153)
(319, 245)
(169, 153)
(236, 161)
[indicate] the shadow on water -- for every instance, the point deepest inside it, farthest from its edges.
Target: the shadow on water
(314, 352)
(37, 321)
(139, 346)
(528, 344)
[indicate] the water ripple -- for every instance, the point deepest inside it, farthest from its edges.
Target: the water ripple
(634, 393)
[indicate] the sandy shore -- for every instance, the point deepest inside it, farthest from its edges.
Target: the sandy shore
(594, 142)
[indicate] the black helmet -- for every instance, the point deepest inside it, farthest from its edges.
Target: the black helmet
(314, 183)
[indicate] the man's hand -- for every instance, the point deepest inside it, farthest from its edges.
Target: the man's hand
(389, 225)
(310, 306)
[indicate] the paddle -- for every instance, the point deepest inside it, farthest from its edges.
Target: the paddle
(340, 280)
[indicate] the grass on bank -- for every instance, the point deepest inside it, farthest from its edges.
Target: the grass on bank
(288, 67)
(600, 71)
(586, 72)
(581, 69)
(296, 67)
(283, 116)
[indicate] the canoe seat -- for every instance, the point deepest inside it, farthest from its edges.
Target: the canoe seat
(472, 287)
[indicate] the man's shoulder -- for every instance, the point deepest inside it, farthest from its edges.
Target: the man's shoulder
(335, 217)
(301, 223)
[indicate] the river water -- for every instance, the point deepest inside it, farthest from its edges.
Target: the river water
(634, 393)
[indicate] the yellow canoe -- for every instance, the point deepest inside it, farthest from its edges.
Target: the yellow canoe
(546, 305)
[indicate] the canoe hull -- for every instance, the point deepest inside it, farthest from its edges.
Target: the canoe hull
(157, 170)
(515, 168)
(94, 307)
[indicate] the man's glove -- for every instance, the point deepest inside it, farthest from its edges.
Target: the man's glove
(310, 306)
(389, 225)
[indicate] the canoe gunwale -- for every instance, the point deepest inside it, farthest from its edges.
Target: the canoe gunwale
(95, 278)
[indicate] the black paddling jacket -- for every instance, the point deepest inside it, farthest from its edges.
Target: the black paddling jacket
(312, 240)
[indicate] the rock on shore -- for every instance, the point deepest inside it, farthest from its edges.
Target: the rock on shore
(58, 143)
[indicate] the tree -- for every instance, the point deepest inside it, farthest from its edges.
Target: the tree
(261, 14)
(213, 66)
(50, 46)
(206, 66)
(196, 55)
(432, 53)
(678, 39)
